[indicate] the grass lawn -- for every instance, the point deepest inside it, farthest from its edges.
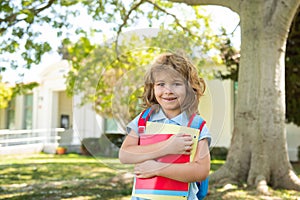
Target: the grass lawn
(232, 192)
(70, 176)
(76, 177)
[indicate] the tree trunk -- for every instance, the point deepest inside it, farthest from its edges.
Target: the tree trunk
(258, 152)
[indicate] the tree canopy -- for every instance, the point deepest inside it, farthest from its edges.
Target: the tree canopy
(5, 94)
(117, 53)
(231, 59)
(292, 72)
(116, 76)
(22, 23)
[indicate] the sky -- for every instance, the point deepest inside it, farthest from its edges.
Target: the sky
(220, 17)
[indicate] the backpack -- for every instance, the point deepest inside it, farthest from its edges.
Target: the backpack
(195, 122)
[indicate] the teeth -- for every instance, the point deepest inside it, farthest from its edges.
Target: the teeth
(170, 99)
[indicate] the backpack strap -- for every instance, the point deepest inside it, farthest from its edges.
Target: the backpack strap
(144, 117)
(196, 122)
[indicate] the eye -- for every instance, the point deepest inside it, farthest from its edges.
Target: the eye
(177, 84)
(160, 84)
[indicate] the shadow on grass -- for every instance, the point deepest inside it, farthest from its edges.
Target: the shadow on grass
(77, 177)
(59, 177)
(82, 189)
(32, 172)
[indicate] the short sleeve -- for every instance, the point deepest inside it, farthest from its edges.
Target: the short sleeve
(204, 134)
(133, 125)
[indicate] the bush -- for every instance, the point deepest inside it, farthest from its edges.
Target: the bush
(219, 153)
(298, 153)
(99, 147)
(117, 139)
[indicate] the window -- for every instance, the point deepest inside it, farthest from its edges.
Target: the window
(111, 126)
(28, 106)
(64, 121)
(10, 114)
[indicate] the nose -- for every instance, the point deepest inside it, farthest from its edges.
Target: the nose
(168, 89)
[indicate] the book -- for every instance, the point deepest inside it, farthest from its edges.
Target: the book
(161, 187)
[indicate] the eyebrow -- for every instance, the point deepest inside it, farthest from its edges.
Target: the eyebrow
(175, 80)
(179, 80)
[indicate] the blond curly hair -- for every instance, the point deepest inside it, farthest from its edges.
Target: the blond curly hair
(194, 84)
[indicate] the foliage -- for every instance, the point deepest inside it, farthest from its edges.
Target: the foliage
(230, 58)
(22, 43)
(8, 92)
(97, 67)
(17, 24)
(292, 72)
(218, 153)
(5, 94)
(101, 146)
(22, 23)
(110, 75)
(23, 88)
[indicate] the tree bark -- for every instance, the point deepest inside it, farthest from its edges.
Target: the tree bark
(258, 152)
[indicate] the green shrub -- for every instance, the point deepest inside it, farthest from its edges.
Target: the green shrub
(298, 153)
(219, 153)
(99, 147)
(116, 138)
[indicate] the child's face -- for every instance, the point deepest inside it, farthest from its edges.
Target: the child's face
(170, 92)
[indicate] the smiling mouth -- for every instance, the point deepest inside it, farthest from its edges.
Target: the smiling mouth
(170, 99)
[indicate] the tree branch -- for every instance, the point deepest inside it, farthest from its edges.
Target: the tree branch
(133, 8)
(177, 21)
(48, 5)
(172, 15)
(12, 20)
(234, 5)
(228, 4)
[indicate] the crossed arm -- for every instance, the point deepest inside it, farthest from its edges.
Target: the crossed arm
(144, 158)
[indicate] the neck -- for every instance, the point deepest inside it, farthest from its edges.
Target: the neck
(171, 114)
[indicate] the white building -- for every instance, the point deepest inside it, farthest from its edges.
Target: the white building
(49, 116)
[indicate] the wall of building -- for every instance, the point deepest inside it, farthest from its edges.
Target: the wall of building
(19, 112)
(65, 108)
(216, 108)
(2, 119)
(87, 124)
(293, 141)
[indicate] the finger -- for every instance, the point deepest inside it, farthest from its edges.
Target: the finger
(188, 148)
(180, 134)
(144, 176)
(189, 143)
(187, 137)
(136, 170)
(137, 173)
(139, 176)
(187, 152)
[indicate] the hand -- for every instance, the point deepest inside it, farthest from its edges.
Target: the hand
(179, 144)
(147, 169)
